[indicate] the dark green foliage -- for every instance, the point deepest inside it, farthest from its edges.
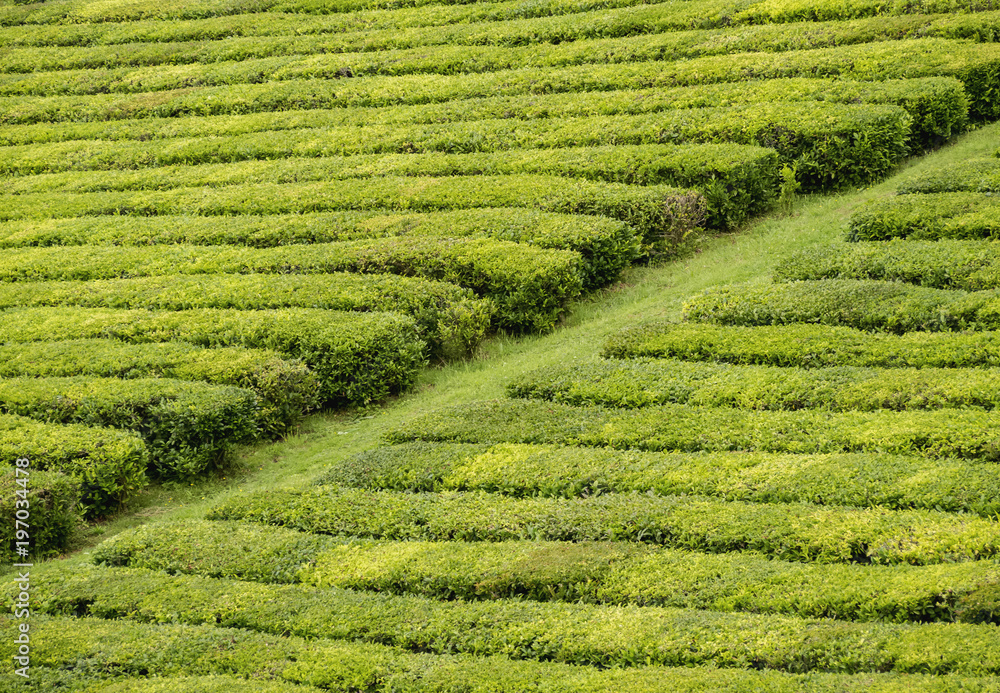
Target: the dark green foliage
(52, 511)
(110, 464)
(830, 144)
(930, 216)
(358, 357)
(188, 427)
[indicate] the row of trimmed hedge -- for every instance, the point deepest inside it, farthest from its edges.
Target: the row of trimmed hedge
(61, 644)
(713, 13)
(788, 531)
(967, 434)
(286, 388)
(358, 357)
(736, 180)
(50, 500)
(971, 62)
(938, 105)
(944, 264)
(528, 287)
(663, 215)
(97, 47)
(875, 479)
(930, 216)
(592, 572)
(804, 345)
(188, 427)
(859, 303)
(451, 320)
(971, 175)
(570, 633)
(110, 463)
(641, 383)
(825, 141)
(606, 245)
(404, 12)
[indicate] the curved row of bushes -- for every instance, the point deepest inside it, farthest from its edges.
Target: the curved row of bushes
(593, 572)
(358, 357)
(110, 463)
(825, 141)
(943, 264)
(736, 180)
(663, 215)
(971, 175)
(199, 657)
(938, 105)
(804, 345)
(928, 217)
(606, 245)
(571, 633)
(528, 287)
(188, 427)
(451, 320)
(286, 388)
(862, 304)
(859, 480)
(967, 434)
(634, 383)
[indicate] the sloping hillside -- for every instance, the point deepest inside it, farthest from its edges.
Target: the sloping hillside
(539, 396)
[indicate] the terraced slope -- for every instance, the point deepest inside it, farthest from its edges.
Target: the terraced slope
(217, 217)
